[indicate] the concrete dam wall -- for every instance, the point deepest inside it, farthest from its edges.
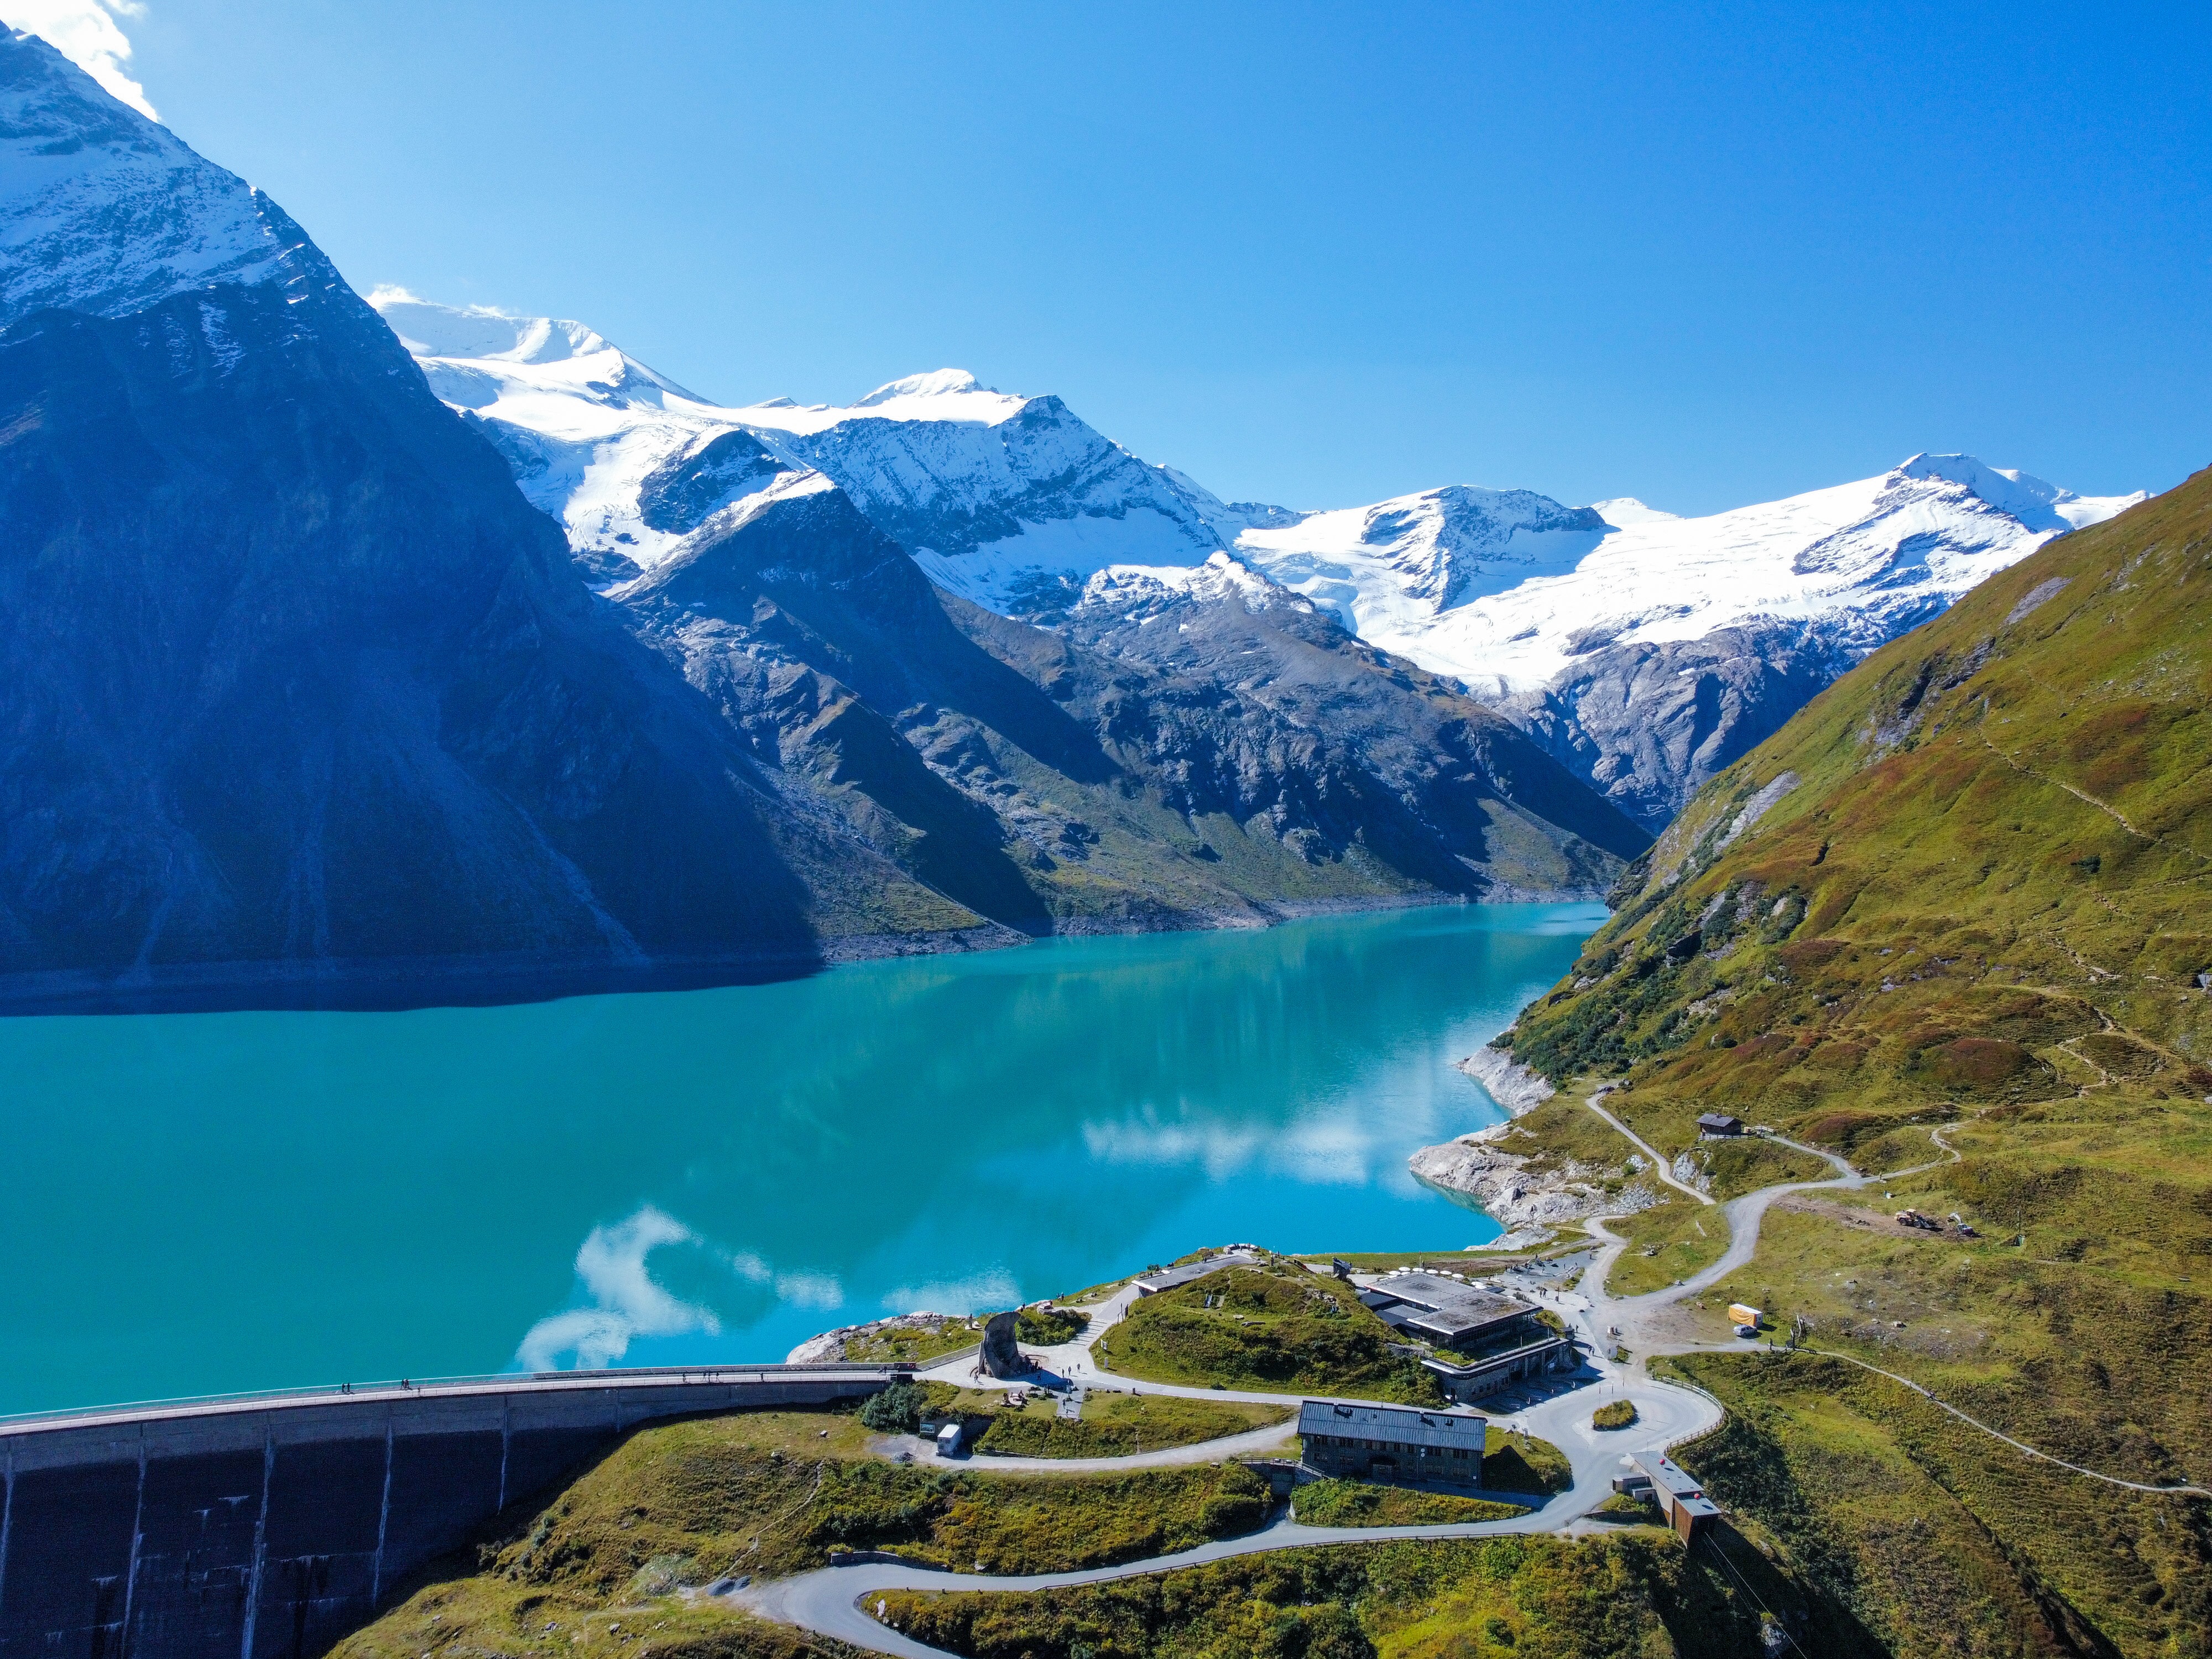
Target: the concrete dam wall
(270, 1528)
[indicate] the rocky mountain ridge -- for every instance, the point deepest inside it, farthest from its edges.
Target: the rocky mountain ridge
(1646, 652)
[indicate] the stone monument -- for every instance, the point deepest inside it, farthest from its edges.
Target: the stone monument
(1002, 1355)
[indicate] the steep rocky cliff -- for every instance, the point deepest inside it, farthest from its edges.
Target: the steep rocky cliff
(300, 698)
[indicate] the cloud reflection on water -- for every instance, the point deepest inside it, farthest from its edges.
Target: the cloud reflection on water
(627, 1302)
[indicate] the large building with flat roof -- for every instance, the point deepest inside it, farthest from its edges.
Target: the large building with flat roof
(1500, 1339)
(1392, 1443)
(1452, 1313)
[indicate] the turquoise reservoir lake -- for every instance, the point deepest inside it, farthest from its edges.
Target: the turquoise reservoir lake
(208, 1202)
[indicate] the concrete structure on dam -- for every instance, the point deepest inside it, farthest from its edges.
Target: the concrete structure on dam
(267, 1527)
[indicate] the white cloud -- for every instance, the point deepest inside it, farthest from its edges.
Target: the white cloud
(86, 33)
(802, 1290)
(612, 1265)
(1324, 1149)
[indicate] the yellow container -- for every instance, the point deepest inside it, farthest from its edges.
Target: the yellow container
(1742, 1314)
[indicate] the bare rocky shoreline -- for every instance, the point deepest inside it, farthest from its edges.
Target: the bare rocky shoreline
(1528, 1195)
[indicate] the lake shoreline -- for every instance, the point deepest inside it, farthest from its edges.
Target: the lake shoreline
(406, 985)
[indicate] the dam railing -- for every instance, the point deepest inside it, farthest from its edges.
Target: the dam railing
(493, 1382)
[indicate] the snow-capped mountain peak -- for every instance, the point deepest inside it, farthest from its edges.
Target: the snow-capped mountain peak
(937, 383)
(1623, 511)
(1006, 500)
(1860, 562)
(1140, 591)
(1603, 627)
(482, 331)
(104, 212)
(2038, 505)
(1416, 556)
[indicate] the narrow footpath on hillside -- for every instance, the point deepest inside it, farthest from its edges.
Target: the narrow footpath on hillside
(1659, 1167)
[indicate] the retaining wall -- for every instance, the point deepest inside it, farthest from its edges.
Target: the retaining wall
(269, 1529)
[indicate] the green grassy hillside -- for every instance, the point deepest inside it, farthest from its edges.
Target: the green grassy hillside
(619, 1555)
(1633, 1596)
(1969, 884)
(1274, 1328)
(1981, 873)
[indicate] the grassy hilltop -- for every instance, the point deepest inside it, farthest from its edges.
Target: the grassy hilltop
(1970, 883)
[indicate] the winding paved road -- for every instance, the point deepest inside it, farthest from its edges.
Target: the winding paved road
(1589, 1305)
(836, 1601)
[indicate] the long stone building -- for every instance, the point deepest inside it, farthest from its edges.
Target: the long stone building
(1392, 1443)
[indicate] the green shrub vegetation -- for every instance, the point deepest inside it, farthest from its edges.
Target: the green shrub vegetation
(1622, 1508)
(487, 1618)
(1362, 1504)
(767, 1493)
(1628, 1595)
(1613, 1415)
(1682, 1236)
(919, 1342)
(1941, 1540)
(1048, 1328)
(1119, 1425)
(897, 1410)
(1521, 1462)
(1276, 1328)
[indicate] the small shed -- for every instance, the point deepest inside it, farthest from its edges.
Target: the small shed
(1680, 1498)
(1719, 1123)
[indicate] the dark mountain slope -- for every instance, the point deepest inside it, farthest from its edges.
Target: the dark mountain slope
(297, 691)
(1047, 783)
(1492, 799)
(1970, 884)
(1649, 724)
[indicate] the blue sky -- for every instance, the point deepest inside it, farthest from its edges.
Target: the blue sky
(1317, 255)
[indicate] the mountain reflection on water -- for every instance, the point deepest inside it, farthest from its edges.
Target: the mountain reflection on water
(217, 1202)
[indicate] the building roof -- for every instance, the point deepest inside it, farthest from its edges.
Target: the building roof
(1673, 1479)
(1447, 1307)
(1719, 1121)
(1402, 1425)
(1168, 1278)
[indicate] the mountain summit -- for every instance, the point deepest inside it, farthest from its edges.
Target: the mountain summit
(102, 212)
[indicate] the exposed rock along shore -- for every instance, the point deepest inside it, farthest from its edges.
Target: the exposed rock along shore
(1508, 1082)
(831, 1347)
(1528, 1201)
